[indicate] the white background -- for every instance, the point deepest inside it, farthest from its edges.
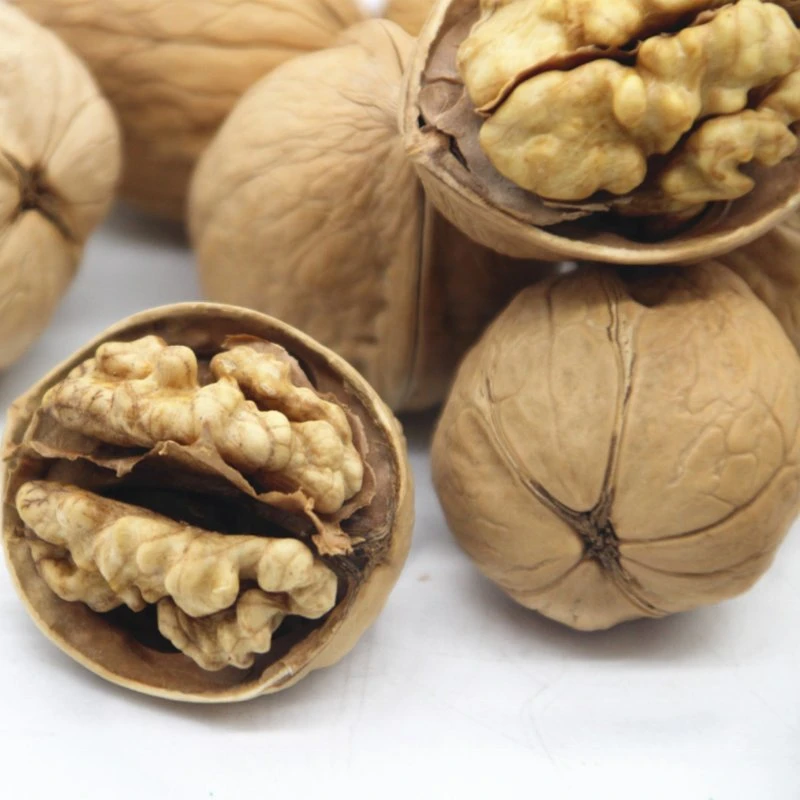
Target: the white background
(454, 692)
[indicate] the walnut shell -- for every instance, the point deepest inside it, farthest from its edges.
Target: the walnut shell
(59, 164)
(533, 82)
(410, 15)
(173, 71)
(204, 504)
(771, 267)
(305, 207)
(616, 450)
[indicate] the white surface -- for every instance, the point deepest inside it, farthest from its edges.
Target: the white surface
(454, 692)
(455, 689)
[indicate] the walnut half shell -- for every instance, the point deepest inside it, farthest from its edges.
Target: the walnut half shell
(627, 131)
(203, 504)
(615, 449)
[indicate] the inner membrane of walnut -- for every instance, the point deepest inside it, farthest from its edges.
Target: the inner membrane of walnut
(640, 113)
(208, 502)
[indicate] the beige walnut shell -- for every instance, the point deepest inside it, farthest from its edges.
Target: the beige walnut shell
(771, 267)
(59, 164)
(614, 450)
(410, 15)
(173, 71)
(305, 207)
(204, 504)
(499, 89)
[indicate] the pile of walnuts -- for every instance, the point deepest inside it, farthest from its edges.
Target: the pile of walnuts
(574, 224)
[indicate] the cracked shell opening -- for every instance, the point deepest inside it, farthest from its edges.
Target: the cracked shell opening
(700, 157)
(196, 503)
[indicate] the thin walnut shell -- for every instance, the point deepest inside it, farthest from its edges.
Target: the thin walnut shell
(410, 15)
(771, 267)
(539, 68)
(306, 207)
(59, 164)
(204, 504)
(173, 69)
(614, 450)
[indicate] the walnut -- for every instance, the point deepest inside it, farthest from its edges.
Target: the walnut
(173, 71)
(632, 131)
(305, 207)
(59, 163)
(615, 449)
(771, 267)
(105, 554)
(410, 15)
(204, 504)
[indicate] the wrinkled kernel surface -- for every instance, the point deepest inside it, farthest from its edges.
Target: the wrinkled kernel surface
(513, 36)
(141, 393)
(589, 86)
(107, 554)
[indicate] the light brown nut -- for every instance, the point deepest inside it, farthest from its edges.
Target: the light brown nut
(771, 267)
(59, 164)
(410, 15)
(204, 504)
(305, 207)
(583, 129)
(173, 70)
(614, 449)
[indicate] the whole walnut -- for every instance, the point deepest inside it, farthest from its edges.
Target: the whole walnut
(771, 267)
(306, 207)
(173, 70)
(616, 449)
(204, 504)
(627, 131)
(59, 164)
(410, 15)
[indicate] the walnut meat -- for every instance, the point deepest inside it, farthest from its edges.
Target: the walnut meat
(305, 207)
(173, 71)
(59, 164)
(616, 450)
(410, 15)
(771, 267)
(204, 504)
(631, 131)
